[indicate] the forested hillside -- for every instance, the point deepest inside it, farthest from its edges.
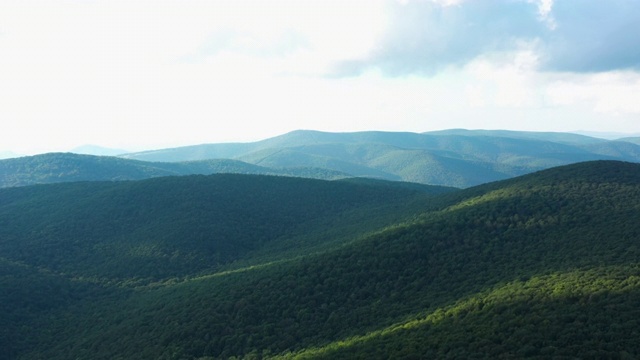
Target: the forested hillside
(180, 226)
(67, 167)
(458, 157)
(635, 140)
(236, 266)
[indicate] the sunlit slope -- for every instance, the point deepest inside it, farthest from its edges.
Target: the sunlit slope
(562, 246)
(539, 266)
(576, 314)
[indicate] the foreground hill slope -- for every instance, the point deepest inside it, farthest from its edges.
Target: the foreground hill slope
(168, 227)
(540, 266)
(66, 244)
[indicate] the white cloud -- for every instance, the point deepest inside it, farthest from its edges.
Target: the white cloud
(73, 71)
(545, 8)
(317, 33)
(505, 80)
(611, 93)
(443, 3)
(475, 95)
(116, 32)
(160, 73)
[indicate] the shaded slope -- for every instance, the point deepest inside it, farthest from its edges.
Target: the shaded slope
(177, 226)
(72, 246)
(29, 296)
(67, 167)
(542, 247)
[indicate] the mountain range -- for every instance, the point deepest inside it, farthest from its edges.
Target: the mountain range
(237, 266)
(457, 157)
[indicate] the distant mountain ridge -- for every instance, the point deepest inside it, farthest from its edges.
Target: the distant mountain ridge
(561, 137)
(408, 140)
(67, 167)
(635, 140)
(456, 157)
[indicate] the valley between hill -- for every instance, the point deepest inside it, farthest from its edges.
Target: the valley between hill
(245, 266)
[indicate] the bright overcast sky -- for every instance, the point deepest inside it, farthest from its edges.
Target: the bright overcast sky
(139, 74)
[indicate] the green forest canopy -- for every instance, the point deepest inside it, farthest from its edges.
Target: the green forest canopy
(538, 266)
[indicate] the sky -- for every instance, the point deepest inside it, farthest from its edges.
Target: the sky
(149, 74)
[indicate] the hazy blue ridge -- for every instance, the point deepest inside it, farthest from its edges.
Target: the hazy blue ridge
(635, 140)
(561, 137)
(67, 167)
(458, 158)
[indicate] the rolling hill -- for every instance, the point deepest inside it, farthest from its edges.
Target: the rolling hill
(559, 137)
(67, 167)
(460, 158)
(239, 266)
(635, 140)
